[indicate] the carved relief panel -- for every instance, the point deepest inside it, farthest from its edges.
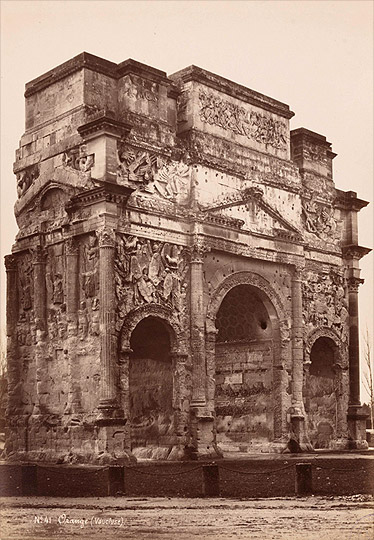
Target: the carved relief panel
(78, 158)
(148, 272)
(325, 302)
(253, 125)
(318, 217)
(154, 174)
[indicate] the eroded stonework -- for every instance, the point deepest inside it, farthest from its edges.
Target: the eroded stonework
(184, 280)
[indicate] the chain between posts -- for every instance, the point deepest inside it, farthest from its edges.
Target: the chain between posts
(223, 467)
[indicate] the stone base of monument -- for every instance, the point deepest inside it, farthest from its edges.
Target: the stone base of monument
(256, 476)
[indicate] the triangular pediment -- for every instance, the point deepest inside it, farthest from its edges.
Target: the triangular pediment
(250, 211)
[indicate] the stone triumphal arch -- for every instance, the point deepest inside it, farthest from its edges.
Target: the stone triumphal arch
(184, 282)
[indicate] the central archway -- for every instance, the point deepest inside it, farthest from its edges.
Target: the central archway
(150, 385)
(246, 342)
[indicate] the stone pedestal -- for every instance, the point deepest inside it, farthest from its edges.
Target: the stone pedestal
(112, 442)
(357, 428)
(203, 436)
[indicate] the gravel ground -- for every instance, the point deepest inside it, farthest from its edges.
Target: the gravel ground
(311, 518)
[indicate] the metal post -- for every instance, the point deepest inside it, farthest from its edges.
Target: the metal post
(303, 479)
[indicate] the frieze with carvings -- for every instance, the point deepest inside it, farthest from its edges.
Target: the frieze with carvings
(136, 89)
(149, 272)
(153, 173)
(253, 125)
(325, 302)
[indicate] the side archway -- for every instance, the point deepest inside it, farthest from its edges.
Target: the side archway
(326, 383)
(154, 374)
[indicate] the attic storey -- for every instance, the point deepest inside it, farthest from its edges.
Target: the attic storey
(184, 280)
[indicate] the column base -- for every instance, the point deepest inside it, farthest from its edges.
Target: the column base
(109, 412)
(357, 428)
(112, 444)
(299, 440)
(203, 444)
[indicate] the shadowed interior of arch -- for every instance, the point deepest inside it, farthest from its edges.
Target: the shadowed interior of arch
(320, 393)
(244, 371)
(150, 386)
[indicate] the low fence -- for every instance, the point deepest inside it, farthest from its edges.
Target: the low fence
(245, 479)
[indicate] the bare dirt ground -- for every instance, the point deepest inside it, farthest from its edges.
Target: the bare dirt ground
(311, 518)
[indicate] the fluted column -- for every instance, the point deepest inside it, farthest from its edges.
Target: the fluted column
(297, 342)
(11, 322)
(197, 323)
(108, 388)
(354, 348)
(298, 411)
(356, 417)
(11, 294)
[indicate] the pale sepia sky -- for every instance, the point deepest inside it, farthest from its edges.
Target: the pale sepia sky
(316, 56)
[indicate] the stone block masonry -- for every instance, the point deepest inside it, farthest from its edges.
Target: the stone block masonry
(184, 282)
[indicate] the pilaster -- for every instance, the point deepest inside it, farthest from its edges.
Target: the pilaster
(72, 285)
(40, 308)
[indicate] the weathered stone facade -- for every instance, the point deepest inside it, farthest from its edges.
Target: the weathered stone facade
(185, 277)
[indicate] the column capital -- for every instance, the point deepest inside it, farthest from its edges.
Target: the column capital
(106, 236)
(10, 263)
(354, 283)
(298, 272)
(198, 249)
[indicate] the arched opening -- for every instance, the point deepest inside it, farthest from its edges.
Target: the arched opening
(244, 352)
(150, 386)
(320, 393)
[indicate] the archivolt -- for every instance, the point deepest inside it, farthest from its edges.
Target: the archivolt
(270, 298)
(326, 332)
(134, 317)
